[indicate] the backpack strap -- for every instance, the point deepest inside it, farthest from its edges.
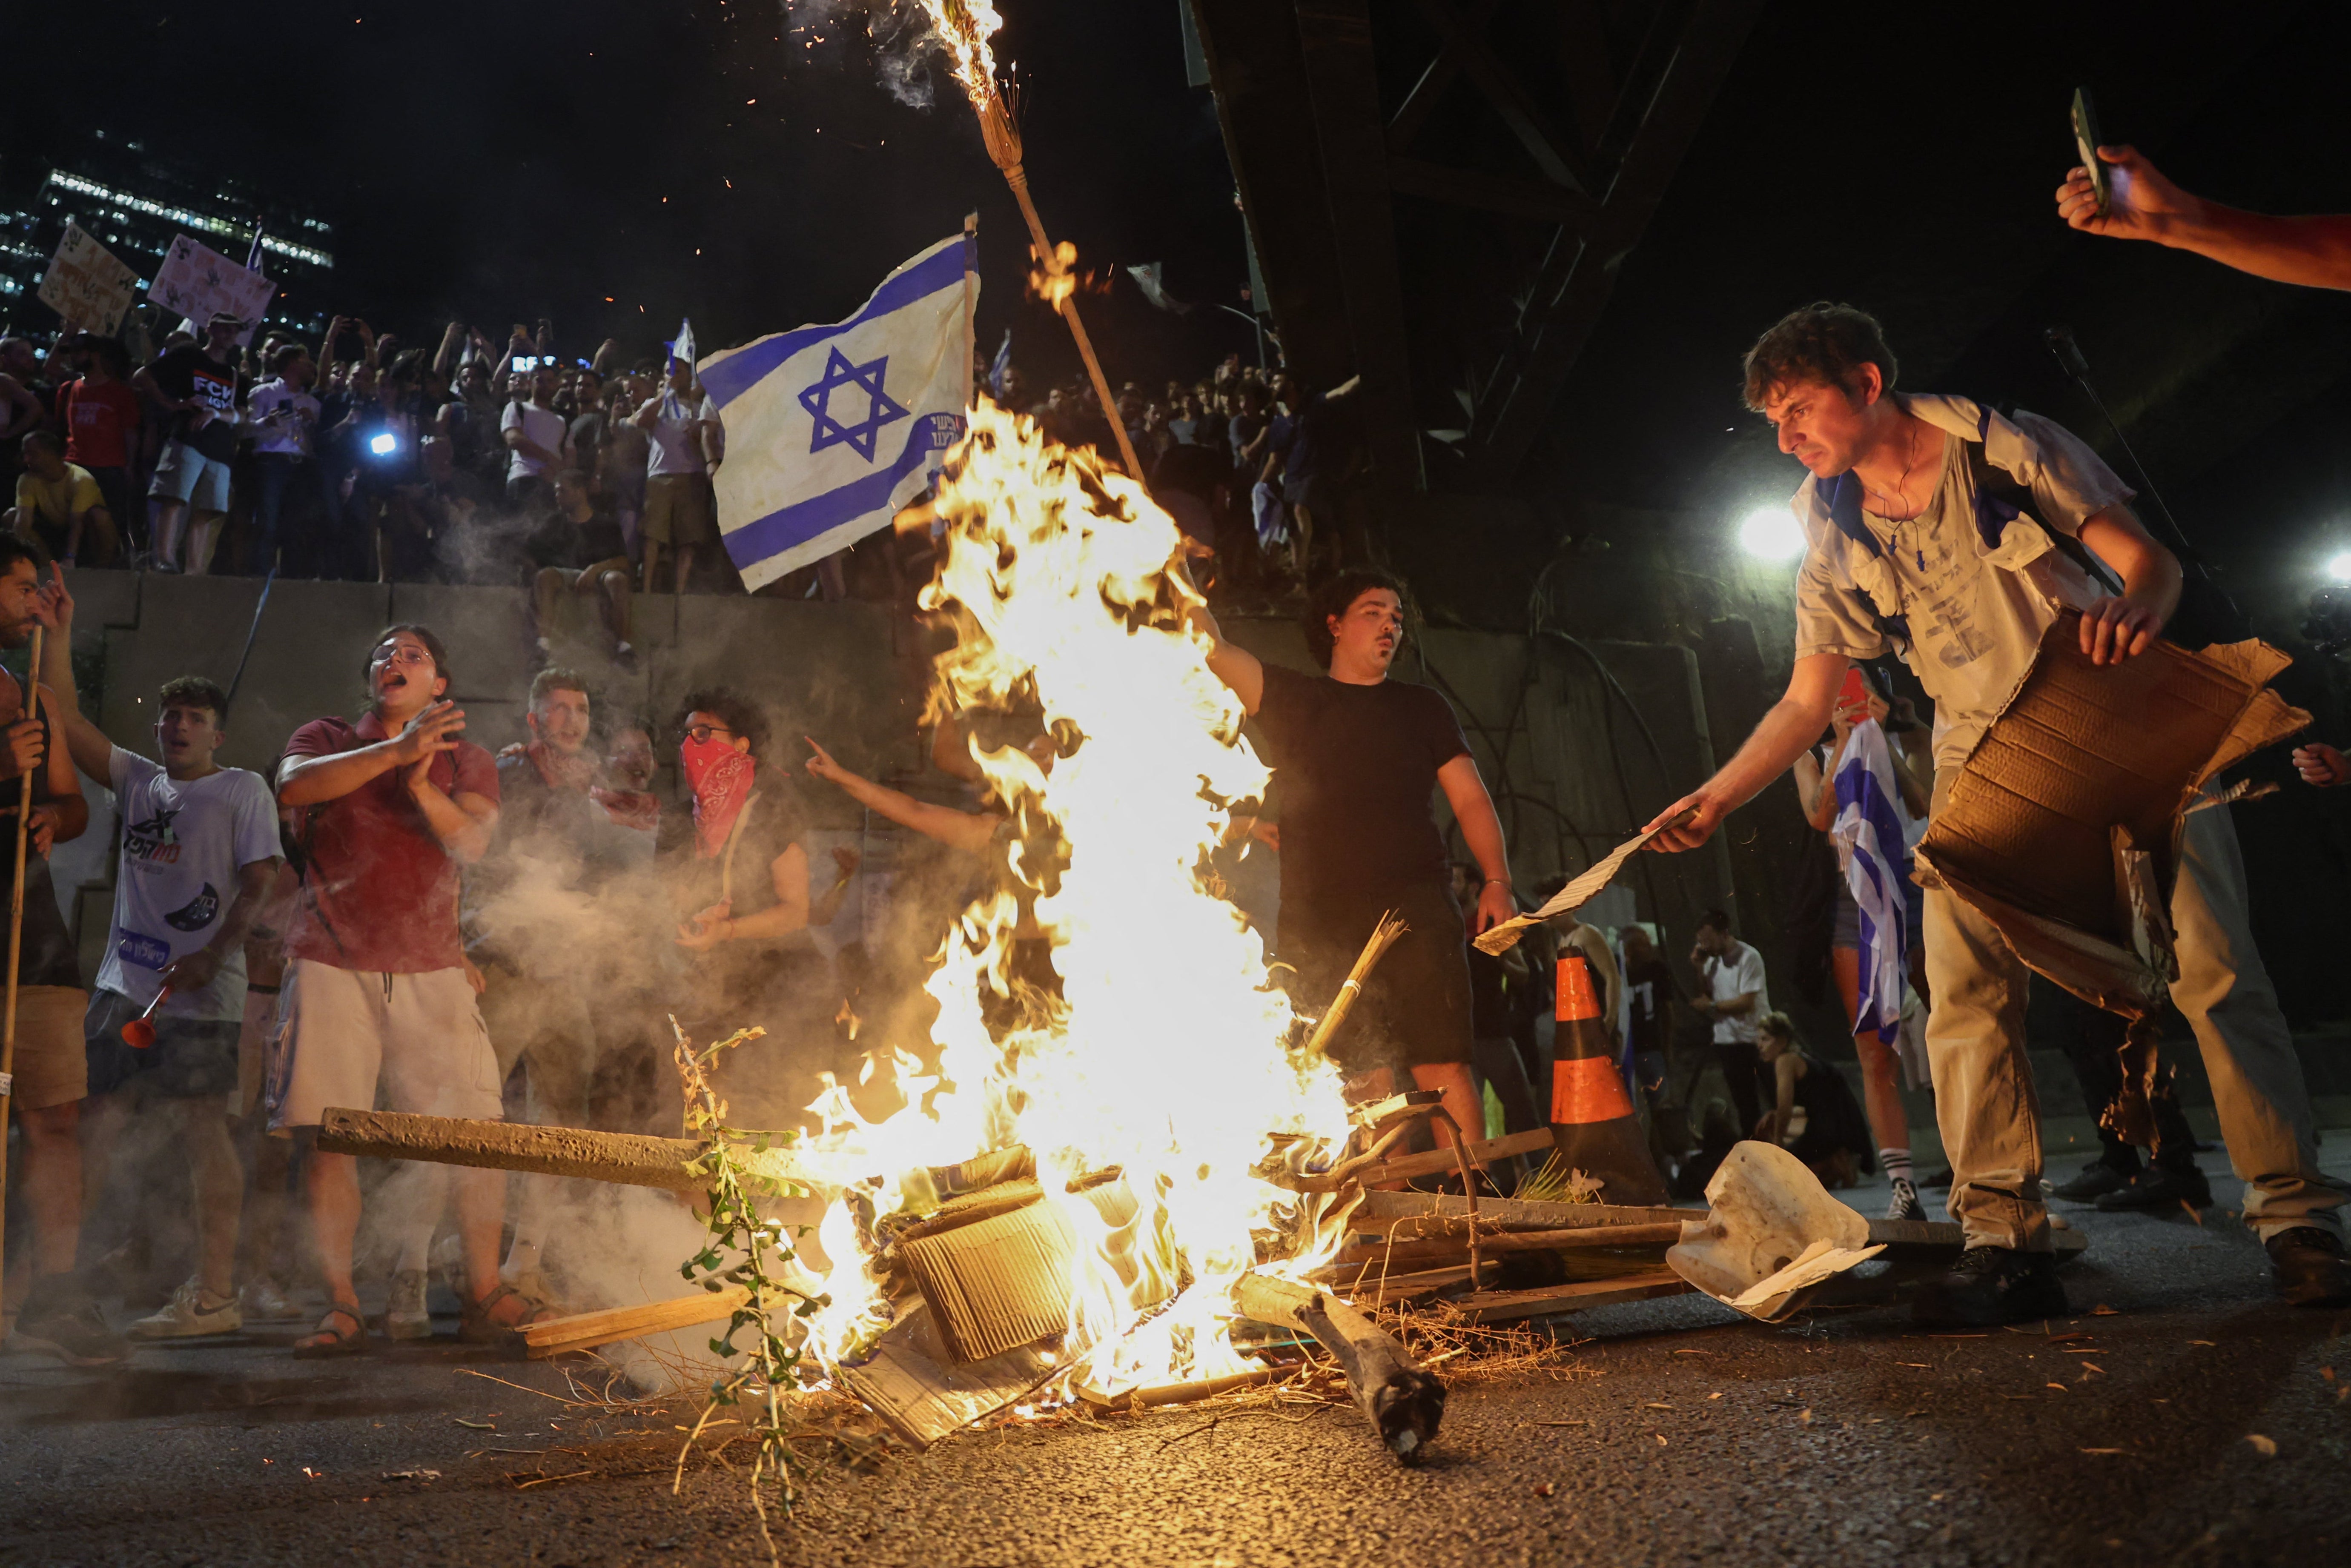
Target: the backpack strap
(2002, 498)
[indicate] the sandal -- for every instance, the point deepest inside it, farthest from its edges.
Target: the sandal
(327, 1340)
(476, 1327)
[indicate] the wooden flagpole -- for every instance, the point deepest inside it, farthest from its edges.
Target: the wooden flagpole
(16, 934)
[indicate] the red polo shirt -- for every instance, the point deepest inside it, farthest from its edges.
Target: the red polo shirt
(380, 894)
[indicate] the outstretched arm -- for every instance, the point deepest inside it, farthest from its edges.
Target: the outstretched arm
(1786, 731)
(1238, 668)
(966, 830)
(2314, 252)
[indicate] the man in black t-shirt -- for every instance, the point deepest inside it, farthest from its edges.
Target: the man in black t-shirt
(1356, 758)
(196, 384)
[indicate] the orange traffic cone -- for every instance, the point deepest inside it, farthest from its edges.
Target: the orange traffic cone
(1592, 1118)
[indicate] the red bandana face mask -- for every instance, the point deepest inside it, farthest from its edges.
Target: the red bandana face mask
(720, 777)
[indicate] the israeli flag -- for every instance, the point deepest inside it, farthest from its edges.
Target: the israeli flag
(830, 430)
(1869, 834)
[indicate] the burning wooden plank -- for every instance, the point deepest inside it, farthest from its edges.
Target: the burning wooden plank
(1403, 1402)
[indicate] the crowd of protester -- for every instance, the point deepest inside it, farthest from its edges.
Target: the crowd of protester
(218, 448)
(1248, 462)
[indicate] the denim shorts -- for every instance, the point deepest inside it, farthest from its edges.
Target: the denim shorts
(183, 473)
(192, 1057)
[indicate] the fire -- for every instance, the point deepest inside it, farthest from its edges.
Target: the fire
(1169, 1054)
(965, 28)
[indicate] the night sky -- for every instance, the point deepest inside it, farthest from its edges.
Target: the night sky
(498, 161)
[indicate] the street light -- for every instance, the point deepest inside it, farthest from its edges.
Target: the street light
(2338, 566)
(1771, 533)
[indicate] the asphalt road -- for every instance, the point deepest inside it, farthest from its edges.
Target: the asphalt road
(2195, 1423)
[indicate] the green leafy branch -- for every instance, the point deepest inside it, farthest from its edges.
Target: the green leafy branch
(747, 1250)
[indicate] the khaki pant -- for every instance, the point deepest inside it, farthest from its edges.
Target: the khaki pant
(1984, 1100)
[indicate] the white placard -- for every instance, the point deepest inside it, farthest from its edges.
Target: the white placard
(85, 285)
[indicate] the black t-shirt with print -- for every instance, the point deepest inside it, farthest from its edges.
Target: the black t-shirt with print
(1355, 766)
(188, 372)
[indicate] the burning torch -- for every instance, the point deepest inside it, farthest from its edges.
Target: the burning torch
(967, 26)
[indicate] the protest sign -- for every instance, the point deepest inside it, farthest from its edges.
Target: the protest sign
(85, 285)
(196, 281)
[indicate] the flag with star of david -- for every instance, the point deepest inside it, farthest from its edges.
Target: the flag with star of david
(830, 430)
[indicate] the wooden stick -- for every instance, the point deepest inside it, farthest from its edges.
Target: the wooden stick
(586, 1330)
(1383, 936)
(16, 932)
(1644, 1237)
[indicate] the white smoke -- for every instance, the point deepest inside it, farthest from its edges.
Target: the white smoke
(903, 43)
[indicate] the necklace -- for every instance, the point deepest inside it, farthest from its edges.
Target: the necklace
(1899, 495)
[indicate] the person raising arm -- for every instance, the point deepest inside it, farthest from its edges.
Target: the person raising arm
(2314, 252)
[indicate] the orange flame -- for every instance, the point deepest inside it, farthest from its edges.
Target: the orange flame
(1168, 1051)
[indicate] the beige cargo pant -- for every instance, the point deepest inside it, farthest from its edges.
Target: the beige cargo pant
(1984, 1100)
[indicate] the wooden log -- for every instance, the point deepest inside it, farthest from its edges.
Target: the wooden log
(1406, 1167)
(586, 1330)
(1422, 1216)
(1507, 1306)
(1180, 1393)
(1403, 1403)
(1374, 1287)
(1649, 1238)
(629, 1160)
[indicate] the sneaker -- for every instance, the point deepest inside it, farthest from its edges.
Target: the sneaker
(59, 1317)
(2097, 1180)
(2308, 1267)
(266, 1301)
(2161, 1190)
(186, 1316)
(1991, 1285)
(1906, 1204)
(406, 1316)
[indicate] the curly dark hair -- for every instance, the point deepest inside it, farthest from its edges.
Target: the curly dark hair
(1822, 342)
(740, 713)
(1334, 597)
(194, 691)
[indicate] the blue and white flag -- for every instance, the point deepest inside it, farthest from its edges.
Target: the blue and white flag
(1000, 366)
(1869, 834)
(830, 430)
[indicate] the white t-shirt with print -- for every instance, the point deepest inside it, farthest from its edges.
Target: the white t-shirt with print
(1736, 972)
(184, 843)
(282, 418)
(544, 426)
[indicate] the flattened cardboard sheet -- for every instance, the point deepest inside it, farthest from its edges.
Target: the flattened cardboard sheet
(915, 1386)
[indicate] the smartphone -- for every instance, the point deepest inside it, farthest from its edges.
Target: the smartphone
(2086, 142)
(1854, 693)
(525, 363)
